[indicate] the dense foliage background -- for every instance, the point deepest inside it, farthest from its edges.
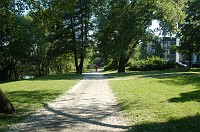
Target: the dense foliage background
(57, 36)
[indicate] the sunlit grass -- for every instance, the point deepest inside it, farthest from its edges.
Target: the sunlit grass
(30, 95)
(159, 100)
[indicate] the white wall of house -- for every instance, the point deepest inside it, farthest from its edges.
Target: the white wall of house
(194, 58)
(177, 54)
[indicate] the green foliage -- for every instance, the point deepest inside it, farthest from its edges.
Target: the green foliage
(111, 66)
(125, 24)
(50, 30)
(190, 31)
(62, 64)
(153, 63)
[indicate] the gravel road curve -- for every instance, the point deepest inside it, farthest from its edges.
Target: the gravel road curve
(89, 106)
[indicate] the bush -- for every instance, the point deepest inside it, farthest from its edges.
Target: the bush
(196, 65)
(154, 63)
(111, 66)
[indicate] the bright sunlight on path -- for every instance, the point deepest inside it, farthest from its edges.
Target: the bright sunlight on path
(88, 106)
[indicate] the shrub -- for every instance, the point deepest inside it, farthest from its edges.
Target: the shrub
(111, 66)
(153, 63)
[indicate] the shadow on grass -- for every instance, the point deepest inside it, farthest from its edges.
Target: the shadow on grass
(89, 120)
(189, 96)
(24, 100)
(182, 79)
(187, 124)
(173, 77)
(156, 73)
(70, 118)
(69, 76)
(25, 103)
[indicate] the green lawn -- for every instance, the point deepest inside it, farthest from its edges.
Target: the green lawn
(30, 95)
(166, 100)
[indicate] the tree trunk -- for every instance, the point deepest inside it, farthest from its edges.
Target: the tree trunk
(5, 105)
(190, 59)
(76, 61)
(74, 43)
(122, 64)
(80, 67)
(15, 73)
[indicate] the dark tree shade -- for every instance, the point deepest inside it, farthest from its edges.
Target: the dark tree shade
(190, 31)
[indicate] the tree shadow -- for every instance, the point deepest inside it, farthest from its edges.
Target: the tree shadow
(69, 76)
(22, 99)
(182, 79)
(174, 77)
(187, 124)
(189, 96)
(93, 76)
(155, 73)
(72, 118)
(25, 103)
(102, 114)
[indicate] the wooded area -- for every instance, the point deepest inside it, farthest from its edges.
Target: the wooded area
(56, 36)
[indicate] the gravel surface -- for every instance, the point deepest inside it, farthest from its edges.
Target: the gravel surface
(88, 106)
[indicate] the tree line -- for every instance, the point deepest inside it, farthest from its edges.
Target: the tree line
(39, 36)
(52, 32)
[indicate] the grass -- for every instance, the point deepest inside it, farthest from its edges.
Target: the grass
(29, 95)
(166, 100)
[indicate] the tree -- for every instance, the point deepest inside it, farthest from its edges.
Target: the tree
(5, 105)
(6, 22)
(14, 43)
(51, 32)
(123, 25)
(190, 31)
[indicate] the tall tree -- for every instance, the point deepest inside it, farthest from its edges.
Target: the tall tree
(14, 43)
(80, 26)
(123, 26)
(190, 31)
(9, 25)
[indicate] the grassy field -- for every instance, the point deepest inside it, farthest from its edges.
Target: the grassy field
(164, 101)
(30, 95)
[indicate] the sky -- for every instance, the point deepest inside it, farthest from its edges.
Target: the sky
(155, 24)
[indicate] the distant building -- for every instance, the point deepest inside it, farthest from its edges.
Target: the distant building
(167, 43)
(184, 58)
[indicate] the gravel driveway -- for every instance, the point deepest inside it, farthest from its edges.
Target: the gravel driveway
(88, 106)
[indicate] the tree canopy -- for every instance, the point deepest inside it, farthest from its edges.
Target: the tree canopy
(190, 31)
(35, 36)
(124, 25)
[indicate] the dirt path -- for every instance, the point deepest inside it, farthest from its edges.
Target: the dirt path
(88, 106)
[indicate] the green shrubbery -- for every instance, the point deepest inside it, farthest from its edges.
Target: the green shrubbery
(111, 66)
(153, 63)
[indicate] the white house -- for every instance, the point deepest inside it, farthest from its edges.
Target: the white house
(167, 43)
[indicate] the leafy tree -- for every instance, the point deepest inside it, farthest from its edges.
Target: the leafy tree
(190, 31)
(80, 24)
(123, 25)
(51, 32)
(11, 26)
(14, 43)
